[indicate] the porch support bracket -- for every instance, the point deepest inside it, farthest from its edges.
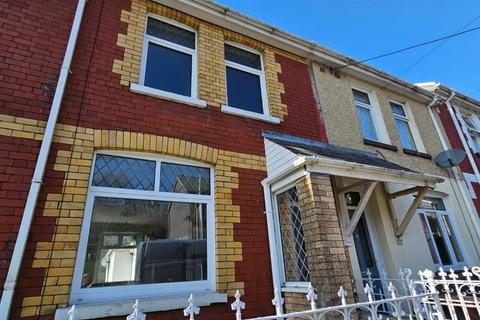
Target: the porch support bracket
(399, 228)
(350, 227)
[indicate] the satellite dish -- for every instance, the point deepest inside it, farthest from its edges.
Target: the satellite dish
(450, 158)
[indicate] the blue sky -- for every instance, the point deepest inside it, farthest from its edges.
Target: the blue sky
(362, 29)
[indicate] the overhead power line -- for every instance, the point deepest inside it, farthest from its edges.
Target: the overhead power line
(410, 67)
(410, 47)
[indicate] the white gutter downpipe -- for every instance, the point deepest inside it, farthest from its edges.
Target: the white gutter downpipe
(463, 191)
(23, 232)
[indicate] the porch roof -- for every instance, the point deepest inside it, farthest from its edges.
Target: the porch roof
(341, 161)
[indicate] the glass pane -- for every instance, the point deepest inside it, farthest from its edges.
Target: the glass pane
(360, 96)
(405, 134)
(432, 203)
(243, 90)
(170, 33)
(144, 241)
(169, 70)
(439, 238)
(366, 122)
(122, 172)
(352, 198)
(469, 122)
(294, 252)
(244, 57)
(397, 109)
(184, 179)
(453, 238)
(430, 243)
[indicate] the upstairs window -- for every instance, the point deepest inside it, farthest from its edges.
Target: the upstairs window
(365, 114)
(148, 229)
(245, 80)
(169, 58)
(403, 125)
(472, 129)
(442, 239)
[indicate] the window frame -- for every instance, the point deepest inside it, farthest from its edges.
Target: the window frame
(110, 293)
(439, 213)
(473, 134)
(286, 286)
(409, 121)
(173, 46)
(375, 113)
(259, 73)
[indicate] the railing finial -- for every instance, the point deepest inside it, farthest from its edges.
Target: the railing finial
(136, 314)
(312, 296)
(238, 305)
(278, 302)
(369, 292)
(342, 293)
(191, 310)
(72, 313)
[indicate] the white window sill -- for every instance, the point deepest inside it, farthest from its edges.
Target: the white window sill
(137, 88)
(296, 289)
(124, 307)
(251, 115)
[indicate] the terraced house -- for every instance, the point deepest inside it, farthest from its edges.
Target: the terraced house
(151, 149)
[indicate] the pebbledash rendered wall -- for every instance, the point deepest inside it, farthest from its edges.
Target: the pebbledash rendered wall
(455, 141)
(100, 113)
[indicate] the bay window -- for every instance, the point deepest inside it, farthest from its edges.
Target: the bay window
(148, 229)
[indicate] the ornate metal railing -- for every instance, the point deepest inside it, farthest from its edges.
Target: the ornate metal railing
(433, 296)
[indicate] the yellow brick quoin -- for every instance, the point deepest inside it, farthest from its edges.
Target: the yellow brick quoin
(58, 255)
(210, 52)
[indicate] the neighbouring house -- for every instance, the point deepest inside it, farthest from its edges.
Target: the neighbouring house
(459, 115)
(151, 149)
(397, 208)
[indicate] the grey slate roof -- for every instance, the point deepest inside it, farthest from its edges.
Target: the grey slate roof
(307, 147)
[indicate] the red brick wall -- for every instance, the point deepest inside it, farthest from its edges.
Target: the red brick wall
(456, 143)
(32, 44)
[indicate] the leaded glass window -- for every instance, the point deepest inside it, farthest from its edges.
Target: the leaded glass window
(148, 222)
(295, 258)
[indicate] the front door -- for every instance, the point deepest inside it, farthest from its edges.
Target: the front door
(364, 248)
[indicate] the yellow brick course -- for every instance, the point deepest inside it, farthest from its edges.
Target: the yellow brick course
(210, 52)
(58, 255)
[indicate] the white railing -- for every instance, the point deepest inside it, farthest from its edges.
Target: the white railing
(433, 296)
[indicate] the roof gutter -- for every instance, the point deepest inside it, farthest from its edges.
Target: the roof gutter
(236, 21)
(37, 179)
(322, 164)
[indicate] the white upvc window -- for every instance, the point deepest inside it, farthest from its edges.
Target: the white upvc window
(442, 237)
(169, 61)
(246, 86)
(403, 124)
(293, 262)
(148, 229)
(366, 115)
(471, 127)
